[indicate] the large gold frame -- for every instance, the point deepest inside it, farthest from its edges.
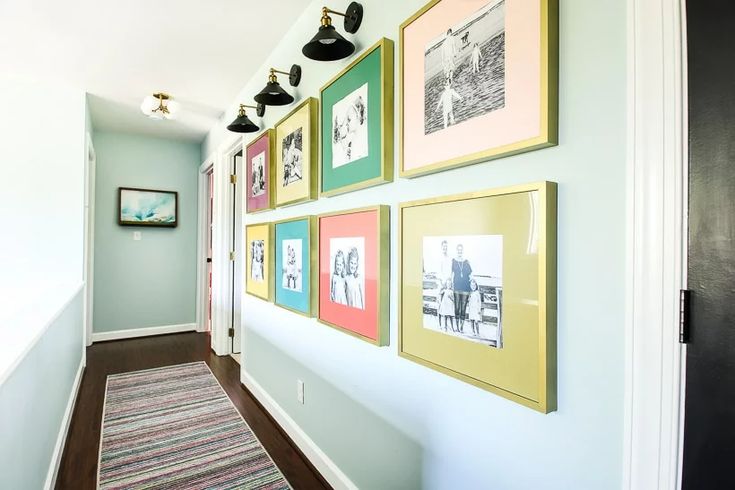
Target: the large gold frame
(313, 265)
(545, 401)
(387, 57)
(383, 213)
(270, 133)
(313, 104)
(268, 266)
(548, 136)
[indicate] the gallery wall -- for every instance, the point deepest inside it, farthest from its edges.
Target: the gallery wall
(148, 282)
(389, 423)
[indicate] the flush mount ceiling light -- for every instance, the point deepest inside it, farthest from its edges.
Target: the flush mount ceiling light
(273, 93)
(328, 44)
(159, 106)
(243, 124)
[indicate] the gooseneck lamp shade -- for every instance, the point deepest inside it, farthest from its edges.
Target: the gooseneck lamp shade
(242, 123)
(328, 45)
(273, 94)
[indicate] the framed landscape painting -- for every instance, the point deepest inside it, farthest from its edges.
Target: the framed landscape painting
(258, 171)
(354, 260)
(478, 80)
(356, 118)
(478, 290)
(146, 207)
(295, 265)
(296, 155)
(258, 260)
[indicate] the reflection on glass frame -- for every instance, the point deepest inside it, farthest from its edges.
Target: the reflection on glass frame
(258, 260)
(356, 121)
(259, 172)
(354, 261)
(478, 81)
(295, 264)
(477, 289)
(296, 155)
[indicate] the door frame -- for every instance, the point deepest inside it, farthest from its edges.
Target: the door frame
(656, 243)
(202, 290)
(90, 170)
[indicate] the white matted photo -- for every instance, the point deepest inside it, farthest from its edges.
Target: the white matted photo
(464, 69)
(350, 127)
(257, 254)
(258, 166)
(293, 157)
(463, 287)
(347, 268)
(292, 265)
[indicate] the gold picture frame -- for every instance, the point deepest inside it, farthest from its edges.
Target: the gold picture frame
(348, 179)
(523, 141)
(259, 270)
(509, 235)
(313, 261)
(251, 202)
(372, 323)
(301, 123)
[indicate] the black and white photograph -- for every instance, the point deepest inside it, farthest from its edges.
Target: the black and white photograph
(347, 284)
(258, 176)
(257, 254)
(463, 287)
(464, 69)
(291, 253)
(350, 128)
(293, 157)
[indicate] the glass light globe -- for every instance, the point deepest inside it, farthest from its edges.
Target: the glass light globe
(173, 107)
(156, 115)
(149, 103)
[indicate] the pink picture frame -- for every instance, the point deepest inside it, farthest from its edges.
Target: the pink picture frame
(259, 173)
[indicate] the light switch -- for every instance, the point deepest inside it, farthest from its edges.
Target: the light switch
(137, 235)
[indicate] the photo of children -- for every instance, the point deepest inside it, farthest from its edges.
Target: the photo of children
(291, 267)
(257, 255)
(463, 287)
(347, 283)
(350, 127)
(292, 157)
(464, 69)
(258, 175)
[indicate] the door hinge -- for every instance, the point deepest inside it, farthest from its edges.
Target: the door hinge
(232, 256)
(231, 332)
(684, 299)
(233, 179)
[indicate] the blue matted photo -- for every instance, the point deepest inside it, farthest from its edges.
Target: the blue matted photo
(293, 265)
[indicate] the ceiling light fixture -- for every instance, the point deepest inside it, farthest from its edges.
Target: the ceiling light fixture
(159, 106)
(243, 124)
(328, 44)
(273, 93)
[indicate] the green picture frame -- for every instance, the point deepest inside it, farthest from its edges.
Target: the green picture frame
(356, 123)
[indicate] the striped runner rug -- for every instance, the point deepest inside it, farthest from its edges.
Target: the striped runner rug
(176, 428)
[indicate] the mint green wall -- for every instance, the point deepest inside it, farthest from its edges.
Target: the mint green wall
(33, 400)
(151, 282)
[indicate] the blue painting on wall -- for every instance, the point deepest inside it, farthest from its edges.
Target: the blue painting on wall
(293, 265)
(144, 207)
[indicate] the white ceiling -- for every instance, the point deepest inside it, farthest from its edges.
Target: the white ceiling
(200, 52)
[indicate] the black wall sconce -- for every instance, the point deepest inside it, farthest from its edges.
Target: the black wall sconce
(273, 93)
(243, 124)
(328, 44)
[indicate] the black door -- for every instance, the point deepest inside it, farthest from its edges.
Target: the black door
(709, 433)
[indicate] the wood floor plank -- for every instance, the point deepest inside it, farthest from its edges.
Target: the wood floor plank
(78, 470)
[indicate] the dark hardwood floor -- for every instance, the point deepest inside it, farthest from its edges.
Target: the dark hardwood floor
(78, 469)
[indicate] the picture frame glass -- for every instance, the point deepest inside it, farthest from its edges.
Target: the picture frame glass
(147, 207)
(293, 155)
(258, 170)
(293, 265)
(258, 260)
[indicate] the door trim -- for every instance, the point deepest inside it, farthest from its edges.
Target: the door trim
(202, 278)
(90, 171)
(656, 243)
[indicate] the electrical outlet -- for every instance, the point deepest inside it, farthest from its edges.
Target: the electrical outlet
(300, 391)
(137, 235)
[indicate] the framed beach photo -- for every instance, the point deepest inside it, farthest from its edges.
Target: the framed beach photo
(259, 172)
(354, 262)
(296, 155)
(295, 262)
(478, 81)
(356, 120)
(478, 289)
(258, 260)
(147, 207)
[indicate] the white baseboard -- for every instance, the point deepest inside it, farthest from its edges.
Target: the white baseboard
(329, 470)
(53, 469)
(143, 332)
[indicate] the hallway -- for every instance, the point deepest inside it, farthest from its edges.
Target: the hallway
(78, 469)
